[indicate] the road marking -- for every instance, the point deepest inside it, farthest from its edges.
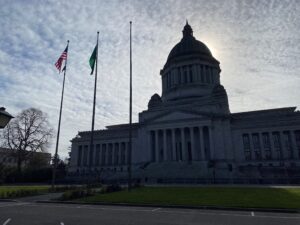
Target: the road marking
(153, 210)
(252, 213)
(7, 221)
(61, 223)
(166, 211)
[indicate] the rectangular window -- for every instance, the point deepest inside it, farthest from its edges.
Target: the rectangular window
(255, 139)
(185, 74)
(85, 155)
(246, 143)
(79, 158)
(277, 144)
(191, 73)
(287, 145)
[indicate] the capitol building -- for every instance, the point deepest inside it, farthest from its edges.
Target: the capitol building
(189, 135)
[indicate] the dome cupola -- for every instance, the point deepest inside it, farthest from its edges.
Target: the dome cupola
(190, 70)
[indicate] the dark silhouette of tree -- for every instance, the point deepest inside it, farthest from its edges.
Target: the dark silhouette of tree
(28, 132)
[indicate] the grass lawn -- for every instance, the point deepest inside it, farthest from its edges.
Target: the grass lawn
(12, 191)
(205, 196)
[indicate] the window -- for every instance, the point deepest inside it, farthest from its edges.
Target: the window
(246, 143)
(255, 139)
(185, 74)
(191, 73)
(276, 140)
(287, 144)
(247, 155)
(85, 155)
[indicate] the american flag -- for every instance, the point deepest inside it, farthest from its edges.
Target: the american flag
(60, 60)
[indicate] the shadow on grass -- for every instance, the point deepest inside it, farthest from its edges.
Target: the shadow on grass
(206, 196)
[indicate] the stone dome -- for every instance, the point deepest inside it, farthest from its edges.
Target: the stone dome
(154, 101)
(190, 46)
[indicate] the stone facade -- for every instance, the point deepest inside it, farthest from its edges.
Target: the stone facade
(189, 135)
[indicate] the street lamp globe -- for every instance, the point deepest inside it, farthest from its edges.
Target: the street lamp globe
(5, 117)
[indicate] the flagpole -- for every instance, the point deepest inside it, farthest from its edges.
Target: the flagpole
(94, 108)
(59, 122)
(130, 117)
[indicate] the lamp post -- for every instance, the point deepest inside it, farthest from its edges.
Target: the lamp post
(5, 117)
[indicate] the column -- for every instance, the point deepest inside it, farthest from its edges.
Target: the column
(272, 146)
(165, 150)
(113, 150)
(283, 148)
(119, 153)
(183, 145)
(100, 154)
(107, 154)
(156, 146)
(201, 139)
(294, 145)
(173, 145)
(126, 152)
(192, 143)
(251, 146)
(211, 143)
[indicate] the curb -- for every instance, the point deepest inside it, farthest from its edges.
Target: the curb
(8, 200)
(178, 206)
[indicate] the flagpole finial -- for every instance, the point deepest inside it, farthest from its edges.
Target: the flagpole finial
(97, 32)
(68, 41)
(130, 22)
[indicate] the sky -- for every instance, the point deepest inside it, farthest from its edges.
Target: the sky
(256, 42)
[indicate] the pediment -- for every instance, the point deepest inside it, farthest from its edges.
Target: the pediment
(177, 116)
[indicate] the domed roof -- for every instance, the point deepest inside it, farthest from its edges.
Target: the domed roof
(189, 45)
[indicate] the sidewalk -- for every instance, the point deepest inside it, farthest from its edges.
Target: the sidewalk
(43, 197)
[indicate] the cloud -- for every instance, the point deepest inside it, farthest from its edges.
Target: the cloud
(257, 43)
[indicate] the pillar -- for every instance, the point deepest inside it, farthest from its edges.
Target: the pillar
(201, 139)
(165, 150)
(211, 143)
(294, 145)
(156, 146)
(173, 145)
(192, 143)
(273, 152)
(183, 145)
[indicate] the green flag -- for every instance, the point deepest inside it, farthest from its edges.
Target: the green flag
(93, 59)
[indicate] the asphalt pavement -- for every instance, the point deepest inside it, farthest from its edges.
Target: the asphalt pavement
(30, 213)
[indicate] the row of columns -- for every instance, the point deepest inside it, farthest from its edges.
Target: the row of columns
(181, 144)
(287, 148)
(189, 74)
(104, 154)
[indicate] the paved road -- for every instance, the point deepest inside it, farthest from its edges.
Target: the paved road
(28, 213)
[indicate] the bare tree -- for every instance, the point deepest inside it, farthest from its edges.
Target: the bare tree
(29, 132)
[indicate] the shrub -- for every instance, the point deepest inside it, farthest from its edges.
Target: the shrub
(78, 193)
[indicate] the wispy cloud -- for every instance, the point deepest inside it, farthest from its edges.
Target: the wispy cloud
(257, 43)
